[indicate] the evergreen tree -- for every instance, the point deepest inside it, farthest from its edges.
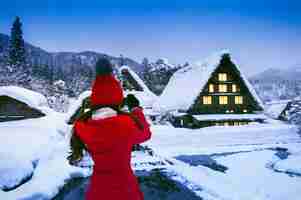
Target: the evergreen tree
(17, 49)
(19, 71)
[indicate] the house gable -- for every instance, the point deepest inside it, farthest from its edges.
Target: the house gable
(231, 95)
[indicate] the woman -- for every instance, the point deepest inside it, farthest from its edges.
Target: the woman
(108, 135)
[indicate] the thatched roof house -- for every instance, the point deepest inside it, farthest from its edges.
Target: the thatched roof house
(213, 92)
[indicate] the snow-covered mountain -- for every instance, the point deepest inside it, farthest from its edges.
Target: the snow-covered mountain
(76, 69)
(64, 60)
(278, 84)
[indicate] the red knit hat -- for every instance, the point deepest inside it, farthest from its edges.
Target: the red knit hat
(106, 89)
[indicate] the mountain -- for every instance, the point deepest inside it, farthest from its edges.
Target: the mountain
(278, 84)
(64, 60)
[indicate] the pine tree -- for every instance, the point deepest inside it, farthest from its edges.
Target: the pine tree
(17, 49)
(19, 71)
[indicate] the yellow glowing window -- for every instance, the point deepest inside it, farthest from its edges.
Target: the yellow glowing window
(234, 88)
(222, 88)
(238, 100)
(207, 100)
(222, 77)
(223, 100)
(211, 88)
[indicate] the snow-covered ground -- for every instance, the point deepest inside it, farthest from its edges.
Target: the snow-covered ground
(33, 152)
(169, 141)
(247, 152)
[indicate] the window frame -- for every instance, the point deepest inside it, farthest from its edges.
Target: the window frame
(211, 88)
(222, 76)
(207, 100)
(223, 100)
(238, 100)
(222, 88)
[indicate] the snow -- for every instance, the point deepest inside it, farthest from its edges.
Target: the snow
(186, 84)
(136, 77)
(274, 109)
(76, 104)
(217, 117)
(250, 175)
(31, 98)
(34, 147)
(146, 97)
(291, 165)
(168, 141)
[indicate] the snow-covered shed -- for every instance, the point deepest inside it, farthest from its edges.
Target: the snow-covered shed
(133, 84)
(278, 109)
(19, 103)
(212, 92)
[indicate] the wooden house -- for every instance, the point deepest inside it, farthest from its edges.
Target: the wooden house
(18, 103)
(212, 93)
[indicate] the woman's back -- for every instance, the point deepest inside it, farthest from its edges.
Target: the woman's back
(109, 141)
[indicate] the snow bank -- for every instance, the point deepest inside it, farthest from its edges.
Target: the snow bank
(31, 98)
(34, 148)
(290, 165)
(186, 84)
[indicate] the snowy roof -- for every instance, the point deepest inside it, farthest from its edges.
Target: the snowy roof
(274, 109)
(185, 85)
(220, 117)
(146, 97)
(29, 97)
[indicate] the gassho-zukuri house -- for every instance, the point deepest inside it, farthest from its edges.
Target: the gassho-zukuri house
(133, 84)
(18, 103)
(211, 93)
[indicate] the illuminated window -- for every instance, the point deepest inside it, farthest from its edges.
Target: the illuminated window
(243, 123)
(238, 100)
(222, 77)
(245, 110)
(234, 88)
(207, 100)
(211, 88)
(236, 123)
(223, 100)
(222, 88)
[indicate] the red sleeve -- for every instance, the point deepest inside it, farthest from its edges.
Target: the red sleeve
(84, 132)
(144, 134)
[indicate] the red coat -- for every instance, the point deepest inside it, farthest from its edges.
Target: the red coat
(110, 142)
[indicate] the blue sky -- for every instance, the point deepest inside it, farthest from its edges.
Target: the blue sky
(259, 33)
